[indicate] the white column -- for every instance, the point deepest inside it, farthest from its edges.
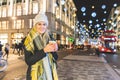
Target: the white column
(10, 8)
(53, 6)
(60, 10)
(14, 9)
(42, 5)
(26, 6)
(30, 7)
(69, 14)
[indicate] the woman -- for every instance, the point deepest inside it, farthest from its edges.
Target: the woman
(40, 55)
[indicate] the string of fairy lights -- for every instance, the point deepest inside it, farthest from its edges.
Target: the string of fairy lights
(93, 15)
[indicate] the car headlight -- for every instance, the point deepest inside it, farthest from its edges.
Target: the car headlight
(115, 50)
(96, 46)
(103, 49)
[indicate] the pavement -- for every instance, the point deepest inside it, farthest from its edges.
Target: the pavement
(13, 75)
(77, 67)
(80, 67)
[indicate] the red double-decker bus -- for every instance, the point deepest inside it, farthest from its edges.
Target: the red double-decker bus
(107, 41)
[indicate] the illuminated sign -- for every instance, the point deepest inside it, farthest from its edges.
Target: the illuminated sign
(109, 39)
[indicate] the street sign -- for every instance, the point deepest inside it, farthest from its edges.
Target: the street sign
(71, 39)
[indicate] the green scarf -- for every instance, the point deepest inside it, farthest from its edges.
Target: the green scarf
(37, 70)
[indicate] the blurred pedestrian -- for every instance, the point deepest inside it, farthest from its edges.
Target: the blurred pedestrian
(15, 48)
(6, 49)
(97, 51)
(20, 49)
(1, 46)
(40, 55)
(1, 53)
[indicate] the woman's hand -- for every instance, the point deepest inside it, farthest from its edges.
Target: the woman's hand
(51, 47)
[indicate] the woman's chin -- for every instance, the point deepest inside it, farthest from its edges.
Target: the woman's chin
(41, 32)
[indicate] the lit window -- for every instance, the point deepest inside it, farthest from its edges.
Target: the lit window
(3, 25)
(4, 12)
(4, 38)
(35, 8)
(0, 11)
(18, 26)
(19, 10)
(30, 23)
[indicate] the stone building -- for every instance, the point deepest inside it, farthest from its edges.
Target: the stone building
(17, 18)
(114, 23)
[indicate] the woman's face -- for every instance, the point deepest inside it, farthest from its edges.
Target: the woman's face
(41, 27)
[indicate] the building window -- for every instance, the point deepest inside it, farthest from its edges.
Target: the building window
(4, 11)
(62, 39)
(16, 37)
(7, 25)
(24, 9)
(4, 38)
(3, 25)
(18, 1)
(56, 25)
(19, 10)
(0, 11)
(35, 8)
(14, 24)
(22, 26)
(14, 10)
(30, 23)
(18, 24)
(57, 10)
(4, 2)
(9, 12)
(30, 8)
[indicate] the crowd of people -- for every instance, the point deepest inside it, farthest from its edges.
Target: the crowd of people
(5, 49)
(18, 47)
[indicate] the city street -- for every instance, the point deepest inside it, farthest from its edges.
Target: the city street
(76, 65)
(87, 33)
(113, 61)
(16, 68)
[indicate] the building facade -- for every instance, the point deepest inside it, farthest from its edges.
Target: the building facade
(114, 22)
(118, 25)
(17, 18)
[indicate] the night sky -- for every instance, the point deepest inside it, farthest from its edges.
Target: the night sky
(101, 13)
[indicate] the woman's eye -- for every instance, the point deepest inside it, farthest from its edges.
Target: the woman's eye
(41, 24)
(44, 24)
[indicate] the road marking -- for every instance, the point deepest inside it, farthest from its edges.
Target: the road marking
(118, 71)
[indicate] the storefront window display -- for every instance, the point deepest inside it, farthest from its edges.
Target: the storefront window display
(16, 37)
(4, 38)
